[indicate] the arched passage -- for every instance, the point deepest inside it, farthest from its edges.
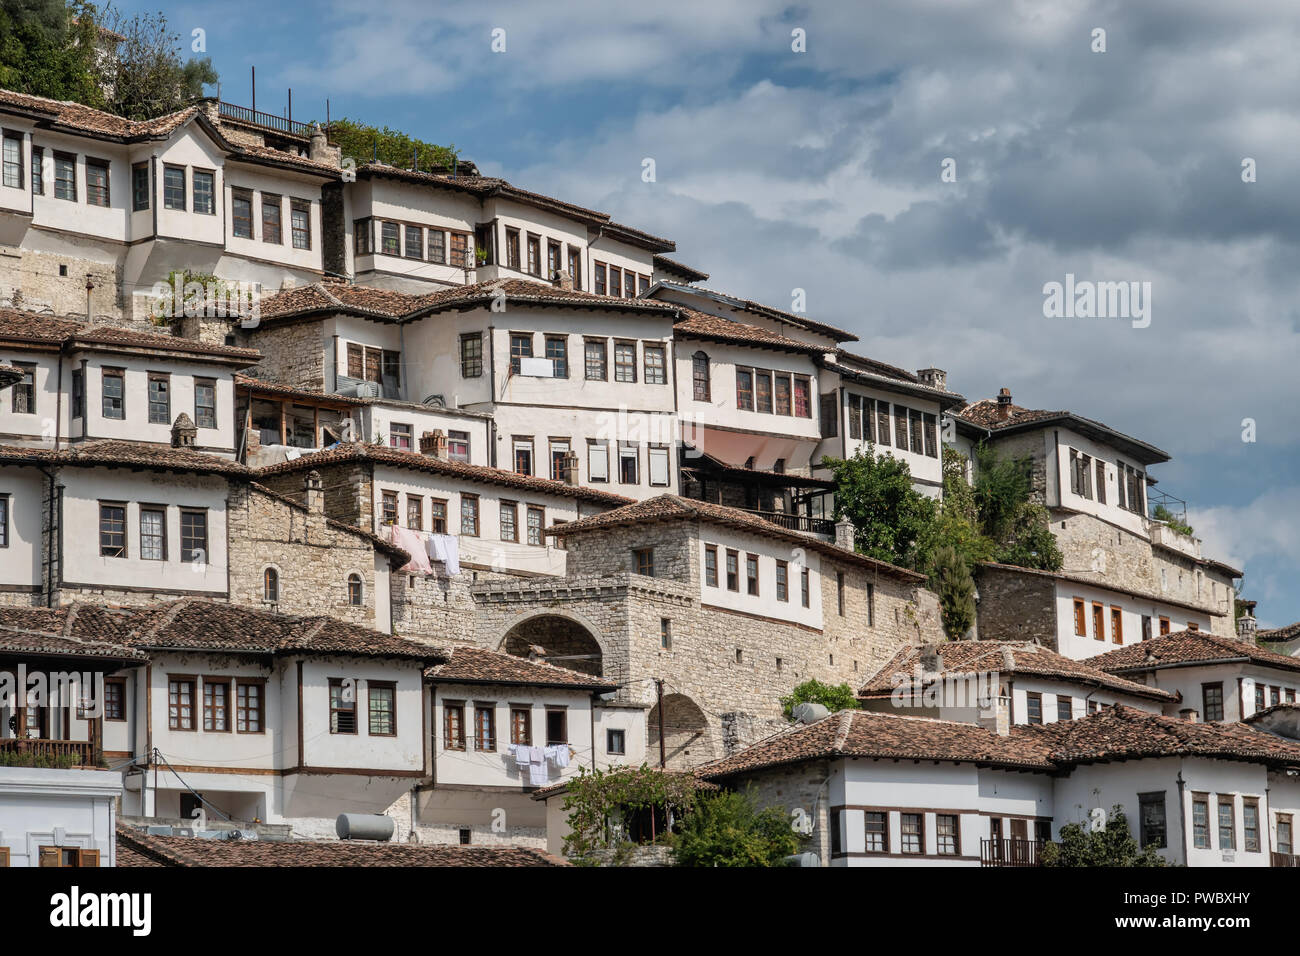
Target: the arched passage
(688, 741)
(565, 641)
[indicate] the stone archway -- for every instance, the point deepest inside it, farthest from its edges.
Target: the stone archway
(566, 641)
(688, 739)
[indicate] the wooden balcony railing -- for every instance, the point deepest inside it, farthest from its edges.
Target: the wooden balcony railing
(78, 752)
(798, 522)
(1011, 852)
(1283, 859)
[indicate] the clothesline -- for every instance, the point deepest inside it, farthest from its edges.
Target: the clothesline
(533, 759)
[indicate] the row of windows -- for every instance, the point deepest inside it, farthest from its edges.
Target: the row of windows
(779, 393)
(534, 517)
(1064, 707)
(401, 435)
(521, 726)
(381, 707)
(1225, 813)
(412, 241)
(1116, 632)
(65, 172)
(271, 588)
(227, 704)
(595, 358)
(732, 560)
(272, 208)
(153, 532)
(620, 283)
(913, 430)
(1131, 483)
(911, 832)
(628, 462)
(113, 396)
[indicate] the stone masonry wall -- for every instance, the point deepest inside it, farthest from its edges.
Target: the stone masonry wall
(1015, 606)
(292, 355)
(803, 787)
(32, 281)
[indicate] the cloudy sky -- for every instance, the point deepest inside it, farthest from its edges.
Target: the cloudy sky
(821, 170)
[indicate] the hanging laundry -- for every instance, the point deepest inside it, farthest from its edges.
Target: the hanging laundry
(537, 774)
(445, 548)
(559, 754)
(523, 754)
(411, 542)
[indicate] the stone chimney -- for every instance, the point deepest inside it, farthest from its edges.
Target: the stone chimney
(934, 377)
(931, 659)
(319, 149)
(1189, 714)
(183, 432)
(1247, 626)
(844, 534)
(434, 444)
(210, 110)
(570, 468)
(563, 280)
(314, 492)
(1004, 404)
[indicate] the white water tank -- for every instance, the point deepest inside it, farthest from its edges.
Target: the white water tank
(364, 826)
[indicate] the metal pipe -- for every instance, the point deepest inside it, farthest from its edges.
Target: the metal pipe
(659, 687)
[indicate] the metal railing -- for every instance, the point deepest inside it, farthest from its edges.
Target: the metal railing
(1011, 852)
(280, 124)
(797, 522)
(1283, 859)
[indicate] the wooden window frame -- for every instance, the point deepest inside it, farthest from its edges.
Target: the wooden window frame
(453, 720)
(211, 709)
(524, 711)
(1033, 697)
(1251, 803)
(711, 566)
(240, 195)
(485, 731)
(643, 561)
(732, 558)
(1205, 702)
(302, 206)
(189, 554)
(511, 509)
(125, 549)
(174, 720)
(475, 509)
(161, 510)
(563, 713)
(1116, 624)
(1229, 801)
(380, 685)
(752, 579)
(1080, 617)
(1144, 839)
(883, 833)
(1098, 621)
(1278, 820)
(337, 725)
(1064, 707)
(63, 157)
(1202, 800)
(903, 835)
(939, 835)
(119, 375)
(246, 712)
(102, 164)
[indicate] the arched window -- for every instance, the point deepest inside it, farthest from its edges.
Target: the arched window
(700, 368)
(354, 589)
(271, 585)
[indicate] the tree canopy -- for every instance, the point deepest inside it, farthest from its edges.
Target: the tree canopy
(841, 697)
(1113, 845)
(728, 829)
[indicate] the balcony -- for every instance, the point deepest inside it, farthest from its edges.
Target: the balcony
(40, 752)
(804, 524)
(280, 124)
(1283, 859)
(1012, 852)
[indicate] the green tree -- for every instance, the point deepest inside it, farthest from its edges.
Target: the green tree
(728, 829)
(49, 48)
(1113, 845)
(840, 697)
(890, 518)
(1161, 513)
(363, 143)
(1017, 526)
(144, 75)
(951, 579)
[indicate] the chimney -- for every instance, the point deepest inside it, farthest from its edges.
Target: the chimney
(1189, 714)
(1247, 626)
(563, 280)
(934, 377)
(570, 468)
(931, 659)
(183, 432)
(314, 492)
(844, 534)
(1004, 404)
(434, 444)
(319, 149)
(210, 109)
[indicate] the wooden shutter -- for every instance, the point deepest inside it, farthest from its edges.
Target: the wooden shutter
(356, 366)
(4, 857)
(49, 856)
(89, 858)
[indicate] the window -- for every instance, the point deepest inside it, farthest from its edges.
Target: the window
(1164, 625)
(1116, 625)
(1098, 622)
(413, 242)
(1250, 824)
(61, 857)
(437, 246)
(248, 707)
(38, 171)
(512, 248)
(700, 376)
(24, 391)
(1212, 702)
(877, 832)
(839, 591)
(399, 436)
(114, 390)
(557, 726)
(655, 369)
(1284, 833)
(521, 725)
(1152, 825)
(643, 561)
(521, 347)
(628, 457)
(65, 177)
(153, 534)
(901, 439)
(300, 223)
(782, 580)
(471, 355)
(343, 706)
(139, 187)
(453, 725)
(180, 703)
(912, 830)
(805, 592)
(855, 416)
(763, 391)
(659, 470)
(174, 188)
(536, 524)
(559, 452)
(460, 249)
(354, 590)
(751, 574)
(205, 403)
(388, 507)
(205, 194)
(97, 182)
(1259, 697)
(388, 239)
(1227, 824)
(216, 705)
(552, 259)
(615, 742)
(733, 570)
(381, 696)
(115, 698)
(159, 398)
(575, 267)
(1064, 707)
(745, 389)
(1034, 707)
(947, 834)
(615, 283)
(4, 520)
(194, 536)
(485, 732)
(241, 213)
(665, 634)
(557, 350)
(625, 361)
(523, 450)
(803, 397)
(598, 274)
(1201, 821)
(271, 585)
(595, 357)
(469, 515)
(272, 209)
(458, 446)
(363, 234)
(415, 512)
(13, 161)
(112, 531)
(597, 461)
(509, 521)
(534, 246)
(711, 565)
(931, 436)
(1080, 618)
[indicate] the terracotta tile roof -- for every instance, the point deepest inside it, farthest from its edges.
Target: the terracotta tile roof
(39, 632)
(475, 665)
(1088, 581)
(1004, 657)
(860, 733)
(749, 305)
(288, 391)
(1124, 733)
(879, 375)
(986, 415)
(1188, 647)
(191, 851)
(1291, 708)
(862, 362)
(9, 374)
(709, 466)
(688, 775)
(381, 454)
(638, 237)
(21, 326)
(126, 454)
(1290, 632)
(685, 271)
(701, 325)
(677, 508)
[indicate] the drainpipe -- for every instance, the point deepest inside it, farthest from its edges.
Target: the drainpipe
(1182, 817)
(49, 539)
(58, 401)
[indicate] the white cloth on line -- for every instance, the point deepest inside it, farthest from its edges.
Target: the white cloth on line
(445, 548)
(411, 542)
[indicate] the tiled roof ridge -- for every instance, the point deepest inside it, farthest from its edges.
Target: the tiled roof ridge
(842, 731)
